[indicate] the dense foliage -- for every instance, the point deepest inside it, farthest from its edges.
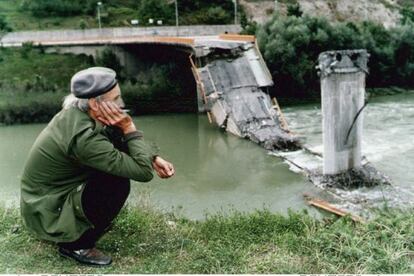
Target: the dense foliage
(42, 8)
(407, 13)
(191, 12)
(291, 45)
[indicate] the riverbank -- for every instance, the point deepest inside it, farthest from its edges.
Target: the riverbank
(33, 84)
(145, 241)
(18, 107)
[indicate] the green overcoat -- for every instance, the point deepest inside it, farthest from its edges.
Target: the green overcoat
(57, 167)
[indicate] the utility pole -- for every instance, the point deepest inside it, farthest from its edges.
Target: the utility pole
(99, 15)
(176, 17)
(235, 11)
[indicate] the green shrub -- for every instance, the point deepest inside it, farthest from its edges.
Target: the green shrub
(41, 8)
(407, 13)
(107, 58)
(294, 10)
(4, 25)
(82, 24)
(27, 47)
(30, 109)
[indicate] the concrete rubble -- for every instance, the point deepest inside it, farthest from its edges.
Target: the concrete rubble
(364, 176)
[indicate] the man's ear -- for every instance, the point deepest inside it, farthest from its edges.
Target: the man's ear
(93, 104)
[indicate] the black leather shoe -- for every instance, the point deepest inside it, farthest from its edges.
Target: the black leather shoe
(91, 256)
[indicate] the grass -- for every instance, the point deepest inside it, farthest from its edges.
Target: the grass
(28, 64)
(145, 241)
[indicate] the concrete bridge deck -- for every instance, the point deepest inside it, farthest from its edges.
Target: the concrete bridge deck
(189, 35)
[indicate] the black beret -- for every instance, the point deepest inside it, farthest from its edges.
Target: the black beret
(92, 82)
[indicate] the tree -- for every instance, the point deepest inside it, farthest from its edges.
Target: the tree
(291, 45)
(107, 58)
(158, 10)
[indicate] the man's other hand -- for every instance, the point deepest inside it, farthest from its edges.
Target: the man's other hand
(163, 168)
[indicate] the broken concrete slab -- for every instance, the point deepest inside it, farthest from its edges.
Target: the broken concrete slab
(234, 84)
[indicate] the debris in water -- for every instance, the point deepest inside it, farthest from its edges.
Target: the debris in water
(330, 208)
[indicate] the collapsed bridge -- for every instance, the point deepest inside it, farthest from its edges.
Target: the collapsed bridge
(233, 81)
(232, 88)
(231, 75)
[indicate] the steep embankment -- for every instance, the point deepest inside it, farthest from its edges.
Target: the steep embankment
(386, 12)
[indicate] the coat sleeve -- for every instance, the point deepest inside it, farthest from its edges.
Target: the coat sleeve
(95, 150)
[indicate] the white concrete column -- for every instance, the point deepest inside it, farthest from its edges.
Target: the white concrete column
(343, 93)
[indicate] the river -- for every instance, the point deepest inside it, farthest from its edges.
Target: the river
(216, 171)
(387, 144)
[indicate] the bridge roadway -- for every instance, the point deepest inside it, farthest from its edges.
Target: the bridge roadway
(189, 35)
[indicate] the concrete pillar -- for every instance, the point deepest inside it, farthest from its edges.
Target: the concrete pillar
(343, 94)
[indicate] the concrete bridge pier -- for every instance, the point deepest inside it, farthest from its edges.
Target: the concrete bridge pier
(343, 94)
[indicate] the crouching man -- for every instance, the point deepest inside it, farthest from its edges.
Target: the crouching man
(76, 178)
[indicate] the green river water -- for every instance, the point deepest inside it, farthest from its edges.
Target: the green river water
(216, 171)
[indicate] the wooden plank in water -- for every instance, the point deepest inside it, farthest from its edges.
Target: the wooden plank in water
(319, 203)
(283, 123)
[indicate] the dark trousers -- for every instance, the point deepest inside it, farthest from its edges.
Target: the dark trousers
(102, 200)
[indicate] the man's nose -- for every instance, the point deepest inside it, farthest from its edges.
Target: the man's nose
(121, 103)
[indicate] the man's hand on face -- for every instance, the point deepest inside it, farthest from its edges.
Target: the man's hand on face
(163, 168)
(112, 115)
